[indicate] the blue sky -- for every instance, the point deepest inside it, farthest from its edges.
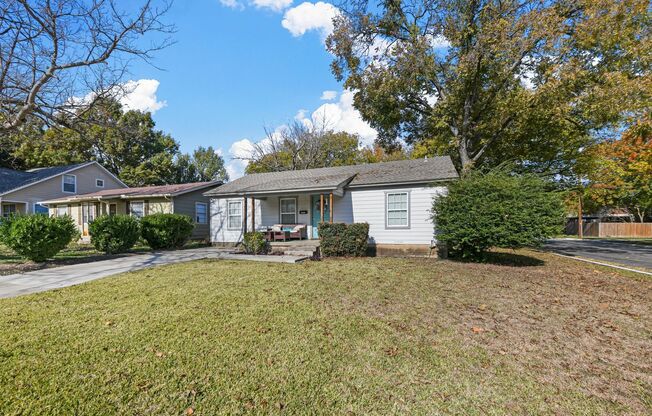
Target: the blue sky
(238, 67)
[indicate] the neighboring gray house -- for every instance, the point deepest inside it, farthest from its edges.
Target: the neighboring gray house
(395, 198)
(23, 192)
(187, 199)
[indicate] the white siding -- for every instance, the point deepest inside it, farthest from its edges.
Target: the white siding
(369, 206)
(358, 205)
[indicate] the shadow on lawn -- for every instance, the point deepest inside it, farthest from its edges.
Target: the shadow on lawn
(503, 258)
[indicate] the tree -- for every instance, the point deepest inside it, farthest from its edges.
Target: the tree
(126, 143)
(497, 209)
(54, 51)
(487, 80)
(303, 146)
(622, 172)
(204, 165)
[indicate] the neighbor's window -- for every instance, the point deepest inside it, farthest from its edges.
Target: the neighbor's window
(113, 209)
(234, 215)
(8, 209)
(200, 213)
(288, 210)
(62, 210)
(397, 209)
(99, 183)
(69, 183)
(137, 209)
(41, 209)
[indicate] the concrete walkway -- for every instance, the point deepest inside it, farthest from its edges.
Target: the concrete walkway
(57, 277)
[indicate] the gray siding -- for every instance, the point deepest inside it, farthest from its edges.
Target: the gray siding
(185, 204)
(52, 188)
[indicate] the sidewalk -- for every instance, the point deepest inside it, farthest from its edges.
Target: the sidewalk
(57, 277)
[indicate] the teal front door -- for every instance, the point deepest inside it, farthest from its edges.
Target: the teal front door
(316, 213)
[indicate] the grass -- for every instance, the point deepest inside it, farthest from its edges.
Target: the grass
(356, 336)
(75, 253)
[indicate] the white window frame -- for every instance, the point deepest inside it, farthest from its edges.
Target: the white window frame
(38, 203)
(228, 214)
(97, 181)
(281, 213)
(407, 210)
(131, 206)
(205, 213)
(63, 183)
(6, 214)
(58, 214)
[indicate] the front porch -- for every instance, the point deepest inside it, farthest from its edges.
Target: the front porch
(286, 218)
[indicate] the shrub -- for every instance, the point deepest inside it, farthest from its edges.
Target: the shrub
(38, 237)
(162, 231)
(254, 243)
(114, 233)
(497, 209)
(339, 239)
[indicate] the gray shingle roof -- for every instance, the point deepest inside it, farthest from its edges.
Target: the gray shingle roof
(401, 171)
(12, 179)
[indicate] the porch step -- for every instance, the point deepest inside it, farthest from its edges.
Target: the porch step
(300, 253)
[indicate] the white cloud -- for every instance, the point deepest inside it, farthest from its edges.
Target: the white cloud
(438, 42)
(141, 95)
(133, 95)
(310, 16)
(275, 5)
(342, 116)
(328, 95)
(240, 149)
(233, 4)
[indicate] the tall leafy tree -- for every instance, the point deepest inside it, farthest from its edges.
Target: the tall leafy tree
(622, 171)
(303, 146)
(203, 165)
(485, 80)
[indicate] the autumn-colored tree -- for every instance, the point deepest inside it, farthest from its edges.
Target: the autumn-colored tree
(486, 81)
(622, 173)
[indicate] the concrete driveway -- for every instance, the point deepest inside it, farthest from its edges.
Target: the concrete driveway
(627, 253)
(57, 277)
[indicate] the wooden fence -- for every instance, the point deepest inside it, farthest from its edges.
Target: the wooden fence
(618, 229)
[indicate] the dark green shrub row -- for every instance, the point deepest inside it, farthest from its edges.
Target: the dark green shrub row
(254, 243)
(114, 233)
(339, 239)
(497, 209)
(164, 231)
(37, 237)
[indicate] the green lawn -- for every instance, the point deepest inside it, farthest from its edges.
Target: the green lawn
(360, 336)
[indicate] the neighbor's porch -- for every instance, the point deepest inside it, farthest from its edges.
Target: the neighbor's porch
(8, 207)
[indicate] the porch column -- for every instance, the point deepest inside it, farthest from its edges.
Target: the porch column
(244, 215)
(331, 209)
(253, 214)
(321, 207)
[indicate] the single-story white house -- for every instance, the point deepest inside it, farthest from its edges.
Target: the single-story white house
(394, 198)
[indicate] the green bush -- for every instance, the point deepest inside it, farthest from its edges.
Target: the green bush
(164, 231)
(38, 237)
(114, 233)
(339, 239)
(497, 209)
(254, 243)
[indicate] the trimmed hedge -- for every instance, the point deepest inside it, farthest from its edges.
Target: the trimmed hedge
(164, 231)
(114, 233)
(254, 243)
(38, 237)
(497, 209)
(339, 239)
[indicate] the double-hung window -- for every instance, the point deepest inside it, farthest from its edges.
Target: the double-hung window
(398, 209)
(69, 184)
(234, 215)
(288, 210)
(8, 209)
(137, 209)
(62, 210)
(201, 215)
